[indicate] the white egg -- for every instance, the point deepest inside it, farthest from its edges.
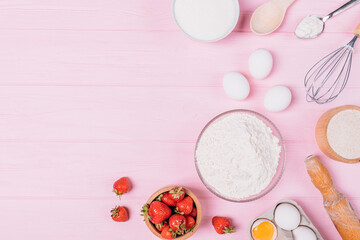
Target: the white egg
(260, 63)
(287, 216)
(304, 233)
(277, 98)
(236, 86)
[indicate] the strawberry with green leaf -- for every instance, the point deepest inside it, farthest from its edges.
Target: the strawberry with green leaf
(168, 233)
(121, 186)
(190, 223)
(177, 194)
(177, 223)
(185, 206)
(161, 226)
(157, 212)
(165, 198)
(119, 214)
(222, 225)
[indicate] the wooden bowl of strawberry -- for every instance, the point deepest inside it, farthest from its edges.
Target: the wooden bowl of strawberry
(172, 212)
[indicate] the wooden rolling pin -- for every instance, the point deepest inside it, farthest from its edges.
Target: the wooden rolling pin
(337, 206)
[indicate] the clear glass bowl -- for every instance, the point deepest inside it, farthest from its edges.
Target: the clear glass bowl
(280, 168)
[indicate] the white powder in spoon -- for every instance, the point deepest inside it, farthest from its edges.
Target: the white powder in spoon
(206, 20)
(238, 155)
(309, 27)
(343, 134)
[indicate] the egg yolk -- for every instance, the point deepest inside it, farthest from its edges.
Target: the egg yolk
(264, 231)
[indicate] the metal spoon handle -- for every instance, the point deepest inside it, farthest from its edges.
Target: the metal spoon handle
(341, 9)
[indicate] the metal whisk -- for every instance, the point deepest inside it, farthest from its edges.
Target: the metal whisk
(327, 78)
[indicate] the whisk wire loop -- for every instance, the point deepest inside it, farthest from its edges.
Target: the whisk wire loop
(320, 82)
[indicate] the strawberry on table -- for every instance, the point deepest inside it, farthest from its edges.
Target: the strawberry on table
(156, 213)
(119, 214)
(165, 198)
(177, 194)
(121, 186)
(168, 233)
(190, 222)
(185, 206)
(222, 225)
(177, 223)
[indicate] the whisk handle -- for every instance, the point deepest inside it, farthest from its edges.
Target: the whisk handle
(357, 30)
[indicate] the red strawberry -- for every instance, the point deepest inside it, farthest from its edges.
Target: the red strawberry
(121, 186)
(161, 226)
(193, 212)
(185, 206)
(222, 225)
(119, 214)
(177, 223)
(190, 222)
(165, 198)
(177, 194)
(168, 233)
(157, 213)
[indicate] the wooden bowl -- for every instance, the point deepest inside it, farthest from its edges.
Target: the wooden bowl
(196, 203)
(321, 133)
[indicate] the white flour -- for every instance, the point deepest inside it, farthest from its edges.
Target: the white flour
(238, 155)
(343, 134)
(206, 20)
(309, 27)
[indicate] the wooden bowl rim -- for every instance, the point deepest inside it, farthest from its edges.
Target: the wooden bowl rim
(196, 203)
(328, 115)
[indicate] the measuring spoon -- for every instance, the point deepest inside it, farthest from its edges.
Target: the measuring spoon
(313, 21)
(269, 16)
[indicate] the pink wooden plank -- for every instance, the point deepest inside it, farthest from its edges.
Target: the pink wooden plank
(145, 15)
(99, 164)
(129, 113)
(67, 58)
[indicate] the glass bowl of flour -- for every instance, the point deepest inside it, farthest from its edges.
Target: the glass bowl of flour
(240, 155)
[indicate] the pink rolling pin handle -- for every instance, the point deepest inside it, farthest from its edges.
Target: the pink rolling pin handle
(357, 30)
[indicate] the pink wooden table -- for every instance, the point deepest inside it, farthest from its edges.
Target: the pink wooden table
(92, 90)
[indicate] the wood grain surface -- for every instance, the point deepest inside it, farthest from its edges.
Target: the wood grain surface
(94, 90)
